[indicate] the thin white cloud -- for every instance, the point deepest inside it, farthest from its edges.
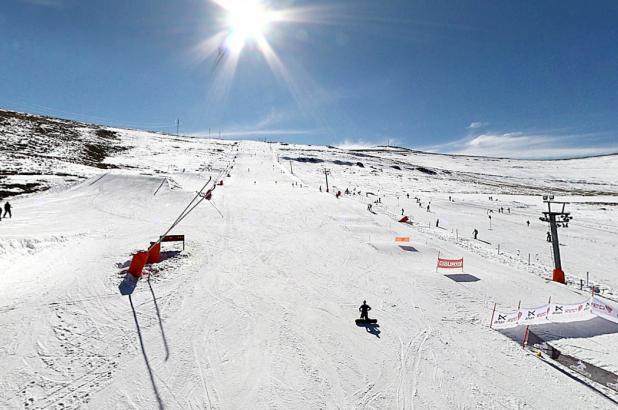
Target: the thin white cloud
(361, 144)
(271, 125)
(476, 125)
(524, 146)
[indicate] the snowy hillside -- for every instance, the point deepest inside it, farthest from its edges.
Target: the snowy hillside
(258, 310)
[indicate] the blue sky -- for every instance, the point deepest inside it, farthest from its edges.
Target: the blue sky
(534, 79)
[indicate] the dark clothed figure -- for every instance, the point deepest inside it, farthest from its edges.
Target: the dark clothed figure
(364, 309)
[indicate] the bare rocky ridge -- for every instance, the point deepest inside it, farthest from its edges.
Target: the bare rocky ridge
(39, 151)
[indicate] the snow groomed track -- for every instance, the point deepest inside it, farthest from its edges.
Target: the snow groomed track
(259, 311)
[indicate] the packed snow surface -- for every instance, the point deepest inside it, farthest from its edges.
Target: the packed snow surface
(258, 311)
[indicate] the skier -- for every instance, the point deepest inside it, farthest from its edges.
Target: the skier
(528, 223)
(320, 188)
(548, 237)
(408, 195)
(437, 223)
(364, 309)
(427, 208)
(475, 233)
(7, 210)
(402, 211)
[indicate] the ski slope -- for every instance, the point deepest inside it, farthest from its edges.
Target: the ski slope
(258, 311)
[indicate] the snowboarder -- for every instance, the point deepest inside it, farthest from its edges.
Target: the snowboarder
(364, 309)
(475, 233)
(548, 237)
(7, 210)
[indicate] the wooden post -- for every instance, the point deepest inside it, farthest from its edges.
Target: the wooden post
(493, 312)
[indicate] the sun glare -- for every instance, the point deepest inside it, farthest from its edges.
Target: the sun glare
(247, 21)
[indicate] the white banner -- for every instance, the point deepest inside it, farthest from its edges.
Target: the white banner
(504, 320)
(557, 312)
(570, 313)
(605, 309)
(533, 316)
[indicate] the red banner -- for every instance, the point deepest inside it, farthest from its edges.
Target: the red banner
(450, 263)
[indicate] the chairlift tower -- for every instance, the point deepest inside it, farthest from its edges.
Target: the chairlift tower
(557, 218)
(326, 174)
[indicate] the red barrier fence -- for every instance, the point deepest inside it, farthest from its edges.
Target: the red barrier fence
(450, 263)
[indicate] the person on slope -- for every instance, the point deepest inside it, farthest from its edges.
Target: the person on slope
(7, 210)
(475, 233)
(364, 309)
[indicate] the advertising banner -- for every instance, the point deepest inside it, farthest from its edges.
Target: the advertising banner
(450, 263)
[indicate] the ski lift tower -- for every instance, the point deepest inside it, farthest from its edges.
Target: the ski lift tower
(557, 218)
(326, 174)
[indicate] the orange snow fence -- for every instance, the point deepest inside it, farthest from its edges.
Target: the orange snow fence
(402, 239)
(138, 262)
(404, 219)
(154, 254)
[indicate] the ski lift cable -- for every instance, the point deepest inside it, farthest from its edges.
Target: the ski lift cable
(192, 204)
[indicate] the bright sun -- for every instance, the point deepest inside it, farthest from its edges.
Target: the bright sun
(247, 21)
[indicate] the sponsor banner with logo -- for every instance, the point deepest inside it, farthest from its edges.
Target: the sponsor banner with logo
(533, 316)
(450, 263)
(504, 320)
(604, 308)
(559, 312)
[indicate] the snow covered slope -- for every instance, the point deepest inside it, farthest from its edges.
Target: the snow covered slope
(258, 311)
